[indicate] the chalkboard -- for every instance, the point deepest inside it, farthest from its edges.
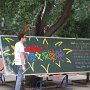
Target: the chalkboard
(1, 61)
(46, 55)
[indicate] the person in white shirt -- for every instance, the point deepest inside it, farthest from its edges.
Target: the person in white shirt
(20, 59)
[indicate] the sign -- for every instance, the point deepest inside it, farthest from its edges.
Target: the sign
(46, 55)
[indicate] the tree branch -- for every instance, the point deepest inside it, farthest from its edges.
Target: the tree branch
(62, 19)
(40, 23)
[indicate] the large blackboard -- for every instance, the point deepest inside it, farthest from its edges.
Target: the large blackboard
(49, 54)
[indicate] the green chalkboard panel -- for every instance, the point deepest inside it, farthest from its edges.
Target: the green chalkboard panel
(49, 54)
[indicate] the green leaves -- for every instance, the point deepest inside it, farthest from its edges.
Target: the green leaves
(78, 25)
(19, 12)
(81, 9)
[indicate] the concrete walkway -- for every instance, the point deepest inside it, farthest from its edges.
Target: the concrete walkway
(72, 85)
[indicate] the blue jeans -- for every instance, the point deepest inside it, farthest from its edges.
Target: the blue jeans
(19, 77)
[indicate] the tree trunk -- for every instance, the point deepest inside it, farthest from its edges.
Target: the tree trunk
(40, 24)
(62, 19)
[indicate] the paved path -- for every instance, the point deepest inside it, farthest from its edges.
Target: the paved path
(68, 88)
(72, 86)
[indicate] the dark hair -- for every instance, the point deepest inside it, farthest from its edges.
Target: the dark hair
(20, 35)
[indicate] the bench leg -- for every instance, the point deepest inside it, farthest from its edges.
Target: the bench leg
(2, 77)
(40, 83)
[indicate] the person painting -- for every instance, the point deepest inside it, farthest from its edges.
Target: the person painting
(20, 59)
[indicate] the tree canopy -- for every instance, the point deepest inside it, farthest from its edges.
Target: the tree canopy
(37, 13)
(78, 25)
(50, 14)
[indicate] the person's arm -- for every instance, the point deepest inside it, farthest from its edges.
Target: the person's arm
(22, 60)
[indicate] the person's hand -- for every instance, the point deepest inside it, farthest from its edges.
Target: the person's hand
(23, 68)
